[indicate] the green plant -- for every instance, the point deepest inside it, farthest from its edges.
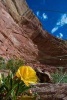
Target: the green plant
(13, 64)
(59, 76)
(15, 85)
(2, 63)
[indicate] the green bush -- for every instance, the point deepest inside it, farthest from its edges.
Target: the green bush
(11, 85)
(14, 64)
(59, 76)
(11, 64)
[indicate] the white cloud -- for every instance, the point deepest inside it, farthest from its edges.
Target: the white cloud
(37, 13)
(54, 29)
(62, 21)
(44, 16)
(60, 35)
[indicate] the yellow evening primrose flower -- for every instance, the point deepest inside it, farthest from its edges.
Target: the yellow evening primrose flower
(27, 75)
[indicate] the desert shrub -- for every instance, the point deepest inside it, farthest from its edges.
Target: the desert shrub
(13, 64)
(59, 76)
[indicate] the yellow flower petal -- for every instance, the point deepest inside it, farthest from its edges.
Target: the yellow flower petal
(27, 74)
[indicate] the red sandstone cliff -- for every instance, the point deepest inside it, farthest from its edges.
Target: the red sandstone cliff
(21, 35)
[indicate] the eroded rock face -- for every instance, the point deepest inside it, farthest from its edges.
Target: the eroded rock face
(13, 41)
(51, 91)
(51, 50)
(27, 39)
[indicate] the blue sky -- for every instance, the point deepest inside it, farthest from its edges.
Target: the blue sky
(52, 14)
